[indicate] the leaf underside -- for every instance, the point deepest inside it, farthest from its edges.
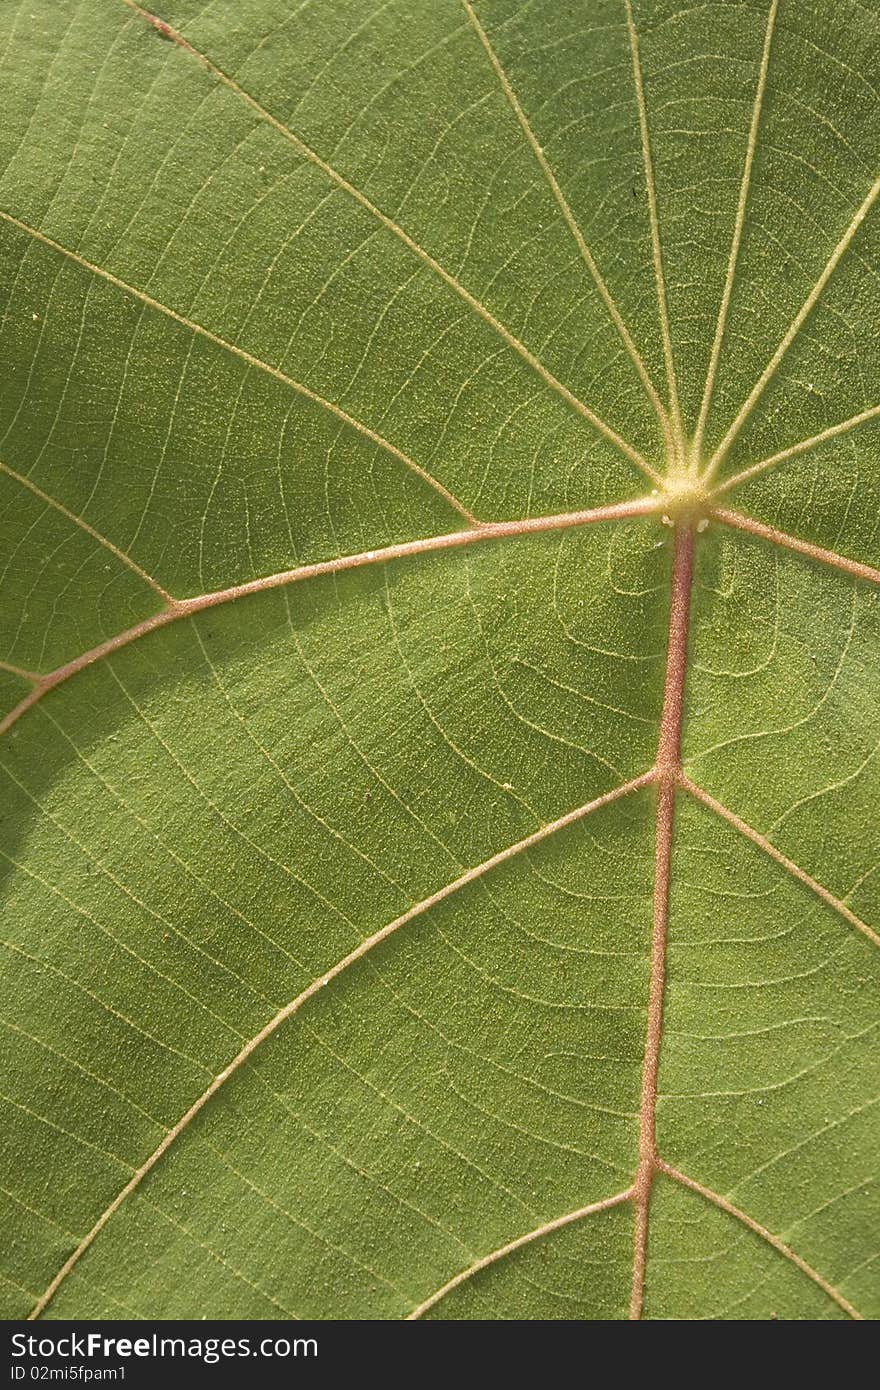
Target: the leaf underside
(467, 927)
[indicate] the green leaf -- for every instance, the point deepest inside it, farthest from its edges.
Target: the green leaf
(434, 886)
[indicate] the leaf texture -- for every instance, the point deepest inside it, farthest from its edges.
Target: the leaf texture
(440, 652)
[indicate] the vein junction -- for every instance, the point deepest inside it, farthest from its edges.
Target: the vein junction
(686, 500)
(687, 505)
(666, 776)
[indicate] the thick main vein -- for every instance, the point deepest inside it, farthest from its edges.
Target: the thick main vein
(668, 772)
(409, 242)
(181, 608)
(369, 944)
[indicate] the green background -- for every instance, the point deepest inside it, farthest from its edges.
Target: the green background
(197, 826)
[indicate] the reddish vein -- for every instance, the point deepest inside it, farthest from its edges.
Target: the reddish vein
(813, 552)
(783, 860)
(183, 608)
(668, 771)
(545, 1229)
(717, 1200)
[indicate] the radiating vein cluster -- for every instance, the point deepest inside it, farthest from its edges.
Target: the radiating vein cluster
(429, 677)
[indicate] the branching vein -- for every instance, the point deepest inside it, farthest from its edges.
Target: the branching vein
(666, 776)
(247, 357)
(656, 248)
(794, 328)
(782, 859)
(84, 526)
(737, 234)
(766, 1235)
(274, 1023)
(540, 1231)
(181, 608)
(813, 552)
(396, 230)
(570, 221)
(803, 446)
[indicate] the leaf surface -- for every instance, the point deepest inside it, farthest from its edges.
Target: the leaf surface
(440, 654)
